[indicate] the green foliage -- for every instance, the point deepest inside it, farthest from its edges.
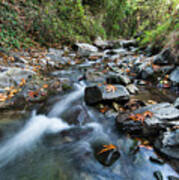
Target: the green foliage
(24, 23)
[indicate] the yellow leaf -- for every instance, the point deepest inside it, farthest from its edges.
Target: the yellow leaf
(45, 86)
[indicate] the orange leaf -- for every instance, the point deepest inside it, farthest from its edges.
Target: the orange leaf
(103, 110)
(45, 86)
(107, 148)
(22, 83)
(33, 94)
(110, 88)
(148, 114)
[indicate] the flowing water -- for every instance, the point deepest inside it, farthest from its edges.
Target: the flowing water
(47, 147)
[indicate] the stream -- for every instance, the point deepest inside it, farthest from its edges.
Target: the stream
(60, 144)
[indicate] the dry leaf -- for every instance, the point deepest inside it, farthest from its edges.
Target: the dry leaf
(107, 148)
(110, 88)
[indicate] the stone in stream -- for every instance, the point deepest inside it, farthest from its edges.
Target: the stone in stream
(165, 57)
(147, 73)
(168, 144)
(107, 158)
(174, 76)
(101, 43)
(95, 94)
(114, 78)
(128, 43)
(164, 116)
(13, 76)
(85, 49)
(133, 89)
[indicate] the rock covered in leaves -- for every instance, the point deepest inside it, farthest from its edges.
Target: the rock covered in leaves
(95, 94)
(13, 76)
(163, 116)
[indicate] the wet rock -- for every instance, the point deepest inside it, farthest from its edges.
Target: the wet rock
(176, 103)
(165, 57)
(174, 76)
(85, 49)
(14, 76)
(101, 43)
(95, 94)
(156, 160)
(158, 175)
(173, 178)
(133, 89)
(147, 73)
(164, 116)
(117, 79)
(106, 158)
(168, 144)
(92, 76)
(77, 115)
(128, 43)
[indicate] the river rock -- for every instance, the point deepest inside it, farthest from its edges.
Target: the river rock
(176, 103)
(95, 94)
(14, 76)
(133, 89)
(128, 43)
(174, 76)
(114, 78)
(147, 73)
(168, 144)
(101, 43)
(165, 57)
(164, 115)
(85, 49)
(106, 158)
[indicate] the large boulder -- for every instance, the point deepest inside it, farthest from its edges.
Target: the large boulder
(95, 94)
(164, 58)
(164, 116)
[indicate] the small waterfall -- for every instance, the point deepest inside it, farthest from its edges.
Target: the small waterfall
(30, 135)
(63, 105)
(36, 127)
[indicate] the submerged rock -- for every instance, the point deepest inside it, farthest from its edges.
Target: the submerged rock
(168, 144)
(96, 94)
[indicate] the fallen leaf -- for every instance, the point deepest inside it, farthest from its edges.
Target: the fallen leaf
(22, 83)
(104, 109)
(45, 86)
(107, 148)
(148, 114)
(33, 94)
(110, 88)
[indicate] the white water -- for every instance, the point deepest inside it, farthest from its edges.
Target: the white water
(30, 135)
(36, 127)
(61, 106)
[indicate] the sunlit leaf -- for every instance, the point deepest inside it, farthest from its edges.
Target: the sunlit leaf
(110, 88)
